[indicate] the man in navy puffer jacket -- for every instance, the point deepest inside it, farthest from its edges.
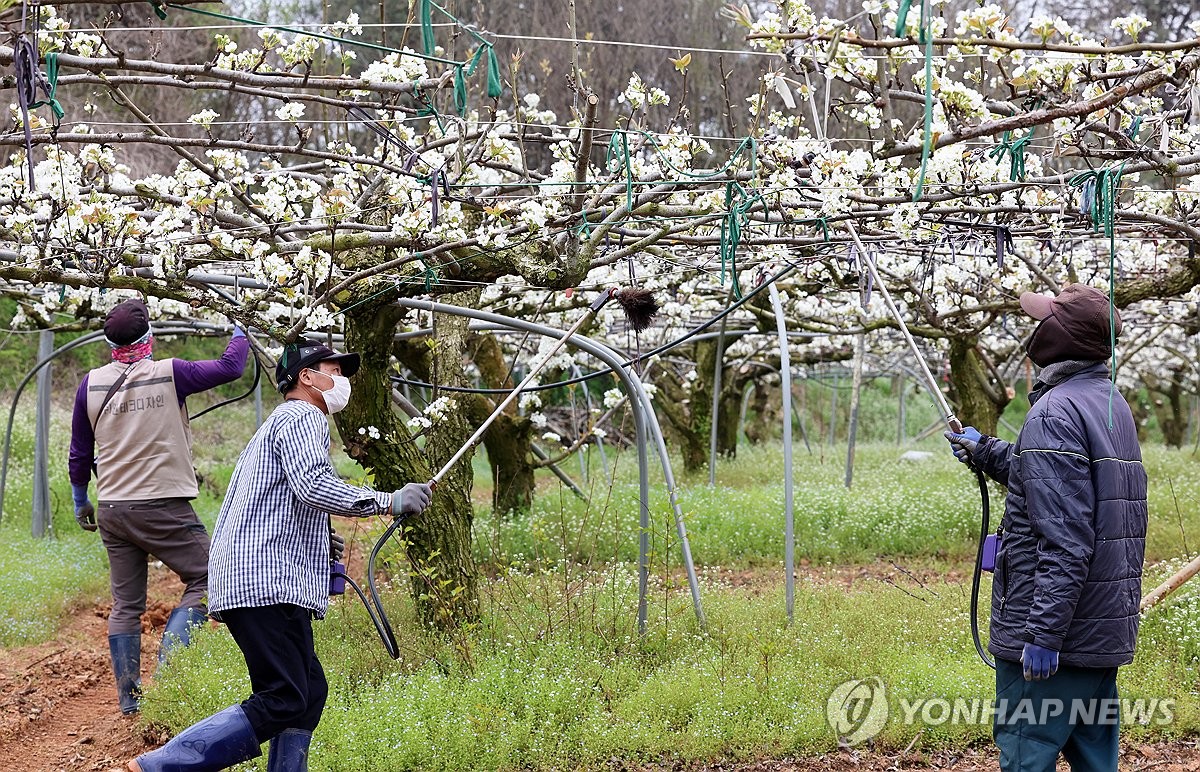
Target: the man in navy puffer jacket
(1068, 577)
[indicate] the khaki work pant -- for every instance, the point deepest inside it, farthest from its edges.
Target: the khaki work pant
(169, 530)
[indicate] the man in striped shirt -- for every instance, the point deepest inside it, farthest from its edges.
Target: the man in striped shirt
(269, 569)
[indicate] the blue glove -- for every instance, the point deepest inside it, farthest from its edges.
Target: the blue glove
(1040, 663)
(238, 332)
(85, 513)
(965, 444)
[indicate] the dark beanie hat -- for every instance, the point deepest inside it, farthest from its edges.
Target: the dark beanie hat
(1074, 325)
(127, 322)
(306, 353)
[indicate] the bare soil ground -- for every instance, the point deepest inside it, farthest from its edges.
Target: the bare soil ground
(58, 706)
(58, 702)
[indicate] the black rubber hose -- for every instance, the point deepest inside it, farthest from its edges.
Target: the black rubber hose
(985, 527)
(231, 400)
(374, 606)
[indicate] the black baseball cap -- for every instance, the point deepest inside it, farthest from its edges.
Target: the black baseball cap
(306, 353)
(127, 322)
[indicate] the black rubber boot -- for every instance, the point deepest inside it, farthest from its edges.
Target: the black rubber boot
(178, 631)
(289, 751)
(126, 652)
(219, 741)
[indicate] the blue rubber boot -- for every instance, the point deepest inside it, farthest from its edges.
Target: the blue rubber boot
(126, 653)
(178, 631)
(219, 741)
(289, 751)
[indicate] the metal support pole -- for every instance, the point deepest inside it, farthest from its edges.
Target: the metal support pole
(714, 417)
(855, 398)
(41, 439)
(558, 472)
(789, 534)
(800, 412)
(833, 411)
(644, 422)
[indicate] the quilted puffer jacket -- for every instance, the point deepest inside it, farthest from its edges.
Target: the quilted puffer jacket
(1069, 573)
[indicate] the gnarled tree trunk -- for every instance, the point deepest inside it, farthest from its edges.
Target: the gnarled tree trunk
(762, 422)
(688, 408)
(445, 578)
(979, 401)
(509, 440)
(1166, 397)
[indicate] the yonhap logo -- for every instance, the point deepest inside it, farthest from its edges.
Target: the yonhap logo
(857, 710)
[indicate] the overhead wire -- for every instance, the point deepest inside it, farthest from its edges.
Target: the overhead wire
(306, 27)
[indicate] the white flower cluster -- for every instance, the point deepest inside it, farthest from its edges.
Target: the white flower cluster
(370, 432)
(1132, 25)
(985, 21)
(440, 408)
(403, 67)
(351, 26)
(638, 94)
(204, 118)
(290, 112)
(769, 23)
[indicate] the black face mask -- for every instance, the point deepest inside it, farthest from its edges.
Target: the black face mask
(1051, 343)
(1040, 345)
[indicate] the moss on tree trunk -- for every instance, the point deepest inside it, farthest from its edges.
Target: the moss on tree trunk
(688, 408)
(509, 440)
(762, 420)
(508, 443)
(445, 577)
(979, 402)
(1166, 397)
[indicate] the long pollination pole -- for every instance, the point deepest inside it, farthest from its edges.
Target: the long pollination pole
(596, 305)
(952, 421)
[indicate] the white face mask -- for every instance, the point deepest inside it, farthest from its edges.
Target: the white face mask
(338, 396)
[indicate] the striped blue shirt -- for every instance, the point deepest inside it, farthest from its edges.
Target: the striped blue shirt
(271, 541)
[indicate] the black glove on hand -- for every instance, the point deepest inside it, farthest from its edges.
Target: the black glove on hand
(337, 545)
(86, 517)
(412, 499)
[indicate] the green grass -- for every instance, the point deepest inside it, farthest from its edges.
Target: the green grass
(554, 681)
(40, 581)
(900, 509)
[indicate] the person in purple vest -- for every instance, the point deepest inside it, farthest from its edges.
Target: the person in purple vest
(130, 426)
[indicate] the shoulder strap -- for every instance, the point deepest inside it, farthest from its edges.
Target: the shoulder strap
(112, 390)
